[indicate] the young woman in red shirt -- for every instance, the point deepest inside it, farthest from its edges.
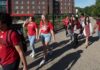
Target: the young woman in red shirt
(86, 30)
(45, 32)
(32, 32)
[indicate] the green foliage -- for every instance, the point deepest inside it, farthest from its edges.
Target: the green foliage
(93, 10)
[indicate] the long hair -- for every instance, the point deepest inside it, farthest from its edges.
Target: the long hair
(87, 17)
(46, 18)
(33, 18)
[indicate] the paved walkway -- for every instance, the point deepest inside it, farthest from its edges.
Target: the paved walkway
(65, 57)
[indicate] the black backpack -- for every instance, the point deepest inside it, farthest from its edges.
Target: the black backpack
(22, 39)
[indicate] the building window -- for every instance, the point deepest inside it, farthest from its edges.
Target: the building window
(56, 4)
(27, 7)
(43, 2)
(16, 7)
(2, 2)
(27, 2)
(33, 7)
(22, 7)
(33, 2)
(16, 2)
(39, 3)
(22, 2)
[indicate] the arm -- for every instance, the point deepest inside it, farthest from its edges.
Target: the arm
(40, 29)
(39, 33)
(36, 33)
(16, 43)
(25, 23)
(22, 56)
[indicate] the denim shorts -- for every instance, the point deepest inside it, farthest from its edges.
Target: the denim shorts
(45, 37)
(31, 39)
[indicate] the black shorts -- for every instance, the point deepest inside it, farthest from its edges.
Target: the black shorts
(12, 66)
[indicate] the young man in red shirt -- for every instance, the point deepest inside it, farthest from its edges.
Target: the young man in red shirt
(32, 32)
(10, 51)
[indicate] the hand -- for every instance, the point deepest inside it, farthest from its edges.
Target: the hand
(25, 68)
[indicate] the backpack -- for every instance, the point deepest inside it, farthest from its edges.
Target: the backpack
(22, 39)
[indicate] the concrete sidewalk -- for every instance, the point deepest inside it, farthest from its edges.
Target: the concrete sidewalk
(65, 57)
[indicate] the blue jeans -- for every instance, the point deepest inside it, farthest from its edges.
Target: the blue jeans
(99, 34)
(45, 37)
(32, 41)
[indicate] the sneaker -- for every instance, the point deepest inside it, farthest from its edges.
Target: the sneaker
(32, 54)
(41, 63)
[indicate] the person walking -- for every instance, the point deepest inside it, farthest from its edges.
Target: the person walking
(10, 50)
(65, 22)
(86, 30)
(45, 32)
(32, 32)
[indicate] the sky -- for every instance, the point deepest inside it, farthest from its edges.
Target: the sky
(84, 3)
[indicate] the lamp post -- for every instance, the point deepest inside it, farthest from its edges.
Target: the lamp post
(48, 7)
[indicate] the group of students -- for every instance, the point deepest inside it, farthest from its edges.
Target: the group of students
(43, 33)
(11, 51)
(78, 26)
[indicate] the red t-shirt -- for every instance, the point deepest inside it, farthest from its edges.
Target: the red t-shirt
(98, 23)
(8, 53)
(31, 28)
(45, 28)
(78, 24)
(65, 21)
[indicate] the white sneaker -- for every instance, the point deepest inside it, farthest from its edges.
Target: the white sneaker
(32, 54)
(41, 63)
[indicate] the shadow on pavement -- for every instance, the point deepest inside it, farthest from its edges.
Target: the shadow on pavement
(93, 39)
(69, 59)
(54, 45)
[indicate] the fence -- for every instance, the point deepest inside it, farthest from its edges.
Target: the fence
(55, 19)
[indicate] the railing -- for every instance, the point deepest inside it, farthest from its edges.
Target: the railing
(55, 19)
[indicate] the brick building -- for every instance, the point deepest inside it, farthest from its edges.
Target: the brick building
(31, 7)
